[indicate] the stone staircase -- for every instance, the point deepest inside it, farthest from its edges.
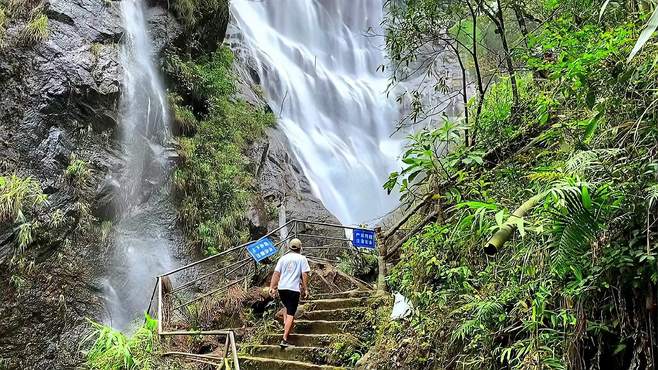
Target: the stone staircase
(321, 322)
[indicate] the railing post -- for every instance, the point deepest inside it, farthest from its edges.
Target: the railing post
(236, 361)
(160, 318)
(381, 261)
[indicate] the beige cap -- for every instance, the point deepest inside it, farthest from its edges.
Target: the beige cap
(295, 244)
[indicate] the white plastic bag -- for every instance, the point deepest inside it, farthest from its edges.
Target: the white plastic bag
(401, 307)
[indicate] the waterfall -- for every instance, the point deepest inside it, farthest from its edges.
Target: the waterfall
(319, 70)
(142, 237)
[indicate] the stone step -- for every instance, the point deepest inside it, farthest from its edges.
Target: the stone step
(315, 355)
(320, 327)
(333, 303)
(347, 294)
(351, 313)
(261, 363)
(307, 340)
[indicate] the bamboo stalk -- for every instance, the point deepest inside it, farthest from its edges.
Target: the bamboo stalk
(500, 237)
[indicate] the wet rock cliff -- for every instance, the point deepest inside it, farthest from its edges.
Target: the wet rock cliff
(59, 104)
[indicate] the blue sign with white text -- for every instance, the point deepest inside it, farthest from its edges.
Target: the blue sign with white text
(363, 239)
(261, 249)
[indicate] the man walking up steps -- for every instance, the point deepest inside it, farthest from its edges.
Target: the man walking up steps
(291, 279)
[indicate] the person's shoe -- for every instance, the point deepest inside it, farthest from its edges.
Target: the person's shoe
(284, 344)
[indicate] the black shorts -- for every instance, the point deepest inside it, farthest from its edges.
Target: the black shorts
(290, 300)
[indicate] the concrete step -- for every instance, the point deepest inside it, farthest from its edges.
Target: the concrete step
(320, 327)
(261, 363)
(307, 340)
(333, 303)
(315, 355)
(347, 294)
(339, 314)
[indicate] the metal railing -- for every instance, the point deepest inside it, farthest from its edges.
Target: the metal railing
(178, 291)
(228, 358)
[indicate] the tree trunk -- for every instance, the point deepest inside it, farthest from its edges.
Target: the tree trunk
(464, 89)
(478, 74)
(499, 21)
(520, 19)
(508, 57)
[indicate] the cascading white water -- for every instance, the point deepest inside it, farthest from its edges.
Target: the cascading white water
(318, 68)
(142, 240)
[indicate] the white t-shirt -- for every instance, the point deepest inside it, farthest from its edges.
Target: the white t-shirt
(291, 266)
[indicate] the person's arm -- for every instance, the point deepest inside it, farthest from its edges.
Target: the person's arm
(274, 283)
(305, 270)
(304, 285)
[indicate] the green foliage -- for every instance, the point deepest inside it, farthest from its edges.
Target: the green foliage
(495, 119)
(215, 178)
(17, 194)
(363, 265)
(77, 172)
(204, 22)
(559, 294)
(184, 119)
(110, 349)
(191, 12)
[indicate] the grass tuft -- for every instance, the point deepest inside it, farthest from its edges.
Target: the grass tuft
(111, 349)
(77, 172)
(16, 194)
(37, 29)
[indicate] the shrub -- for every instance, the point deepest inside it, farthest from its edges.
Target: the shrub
(185, 122)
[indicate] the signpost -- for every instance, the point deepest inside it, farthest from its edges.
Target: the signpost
(363, 239)
(261, 249)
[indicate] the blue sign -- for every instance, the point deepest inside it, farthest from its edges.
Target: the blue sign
(261, 249)
(363, 239)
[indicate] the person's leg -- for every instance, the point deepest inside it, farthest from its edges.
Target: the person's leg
(286, 300)
(290, 301)
(291, 309)
(287, 327)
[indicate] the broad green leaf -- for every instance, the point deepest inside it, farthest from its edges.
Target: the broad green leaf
(646, 34)
(520, 225)
(605, 5)
(587, 200)
(499, 217)
(477, 205)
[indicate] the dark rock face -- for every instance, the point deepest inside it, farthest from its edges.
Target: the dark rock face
(282, 181)
(60, 97)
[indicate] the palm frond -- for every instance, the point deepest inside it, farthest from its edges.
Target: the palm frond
(575, 225)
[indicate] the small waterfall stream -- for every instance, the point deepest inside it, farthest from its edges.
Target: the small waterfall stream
(318, 68)
(143, 237)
